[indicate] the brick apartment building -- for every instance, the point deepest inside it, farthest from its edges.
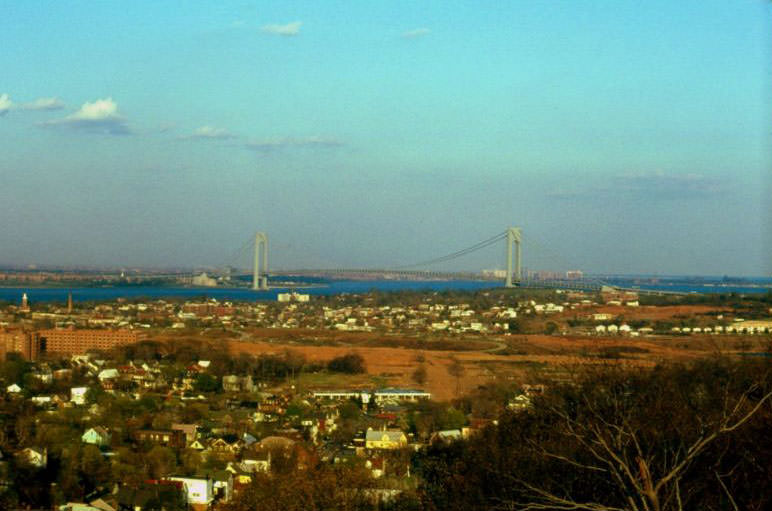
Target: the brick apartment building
(18, 341)
(74, 342)
(31, 345)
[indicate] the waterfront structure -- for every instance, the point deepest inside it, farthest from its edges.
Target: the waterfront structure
(260, 270)
(204, 280)
(514, 236)
(293, 297)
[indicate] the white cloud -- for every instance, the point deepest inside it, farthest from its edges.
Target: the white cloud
(650, 185)
(290, 29)
(416, 33)
(5, 104)
(210, 132)
(663, 184)
(100, 116)
(44, 104)
(269, 144)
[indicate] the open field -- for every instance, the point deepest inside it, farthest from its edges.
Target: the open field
(520, 358)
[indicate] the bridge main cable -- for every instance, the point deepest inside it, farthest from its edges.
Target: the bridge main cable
(455, 255)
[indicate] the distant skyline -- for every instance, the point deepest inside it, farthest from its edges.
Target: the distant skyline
(623, 137)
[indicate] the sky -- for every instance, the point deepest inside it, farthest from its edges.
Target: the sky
(621, 136)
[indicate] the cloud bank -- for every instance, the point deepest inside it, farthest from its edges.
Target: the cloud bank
(209, 132)
(5, 104)
(649, 185)
(43, 104)
(416, 33)
(100, 116)
(270, 144)
(288, 30)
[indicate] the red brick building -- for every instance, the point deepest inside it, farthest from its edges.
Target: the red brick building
(18, 341)
(74, 342)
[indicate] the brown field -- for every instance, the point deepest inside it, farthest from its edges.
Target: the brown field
(519, 358)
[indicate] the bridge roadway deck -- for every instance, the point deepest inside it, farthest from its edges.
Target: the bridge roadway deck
(570, 284)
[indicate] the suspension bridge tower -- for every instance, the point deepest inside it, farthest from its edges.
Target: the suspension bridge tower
(514, 236)
(260, 271)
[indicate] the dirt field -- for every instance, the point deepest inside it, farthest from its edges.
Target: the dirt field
(520, 358)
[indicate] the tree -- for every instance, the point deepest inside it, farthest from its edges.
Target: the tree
(456, 370)
(671, 438)
(161, 461)
(419, 375)
(206, 383)
(351, 363)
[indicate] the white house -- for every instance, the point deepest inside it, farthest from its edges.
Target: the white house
(97, 435)
(198, 490)
(108, 374)
(35, 457)
(78, 395)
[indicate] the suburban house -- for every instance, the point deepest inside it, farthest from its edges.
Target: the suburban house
(36, 457)
(199, 491)
(97, 435)
(388, 439)
(171, 438)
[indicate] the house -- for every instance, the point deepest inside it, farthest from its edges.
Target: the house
(171, 438)
(387, 439)
(197, 445)
(199, 491)
(108, 374)
(233, 383)
(446, 436)
(224, 448)
(78, 395)
(13, 389)
(152, 495)
(97, 435)
(519, 403)
(242, 471)
(35, 457)
(105, 505)
(222, 485)
(78, 506)
(189, 430)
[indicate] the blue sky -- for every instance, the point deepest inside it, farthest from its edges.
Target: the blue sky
(624, 137)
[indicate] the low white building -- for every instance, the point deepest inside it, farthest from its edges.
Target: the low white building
(293, 297)
(198, 490)
(78, 395)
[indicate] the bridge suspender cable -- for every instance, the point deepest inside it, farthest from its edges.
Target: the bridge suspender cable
(454, 255)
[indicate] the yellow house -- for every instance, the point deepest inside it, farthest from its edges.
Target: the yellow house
(389, 439)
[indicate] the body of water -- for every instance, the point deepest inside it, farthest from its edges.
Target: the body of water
(330, 288)
(237, 294)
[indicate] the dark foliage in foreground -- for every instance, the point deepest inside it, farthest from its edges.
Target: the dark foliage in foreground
(673, 437)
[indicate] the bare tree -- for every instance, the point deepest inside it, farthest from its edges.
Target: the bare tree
(456, 370)
(419, 375)
(648, 476)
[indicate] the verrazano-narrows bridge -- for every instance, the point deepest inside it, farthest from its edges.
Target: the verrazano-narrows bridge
(513, 276)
